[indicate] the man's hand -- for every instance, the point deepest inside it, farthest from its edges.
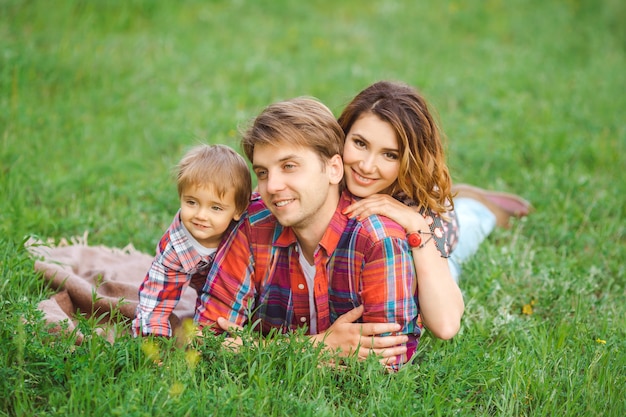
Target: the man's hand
(347, 337)
(232, 343)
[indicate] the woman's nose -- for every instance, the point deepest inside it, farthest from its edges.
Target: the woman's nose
(368, 165)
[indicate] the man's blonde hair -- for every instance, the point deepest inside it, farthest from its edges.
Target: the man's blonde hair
(302, 121)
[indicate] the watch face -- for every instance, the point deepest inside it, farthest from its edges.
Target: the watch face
(414, 240)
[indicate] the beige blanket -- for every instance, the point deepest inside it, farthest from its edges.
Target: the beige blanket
(96, 281)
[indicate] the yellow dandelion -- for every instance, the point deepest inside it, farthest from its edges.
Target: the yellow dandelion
(192, 357)
(189, 329)
(185, 333)
(176, 389)
(151, 350)
(602, 342)
(527, 309)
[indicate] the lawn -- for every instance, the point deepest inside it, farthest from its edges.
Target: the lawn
(99, 99)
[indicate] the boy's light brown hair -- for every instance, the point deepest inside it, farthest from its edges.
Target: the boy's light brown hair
(217, 166)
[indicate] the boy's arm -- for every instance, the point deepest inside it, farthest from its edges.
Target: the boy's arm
(158, 296)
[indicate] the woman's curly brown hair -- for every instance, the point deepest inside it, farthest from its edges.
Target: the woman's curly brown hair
(423, 174)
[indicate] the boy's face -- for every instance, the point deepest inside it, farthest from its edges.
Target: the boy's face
(205, 215)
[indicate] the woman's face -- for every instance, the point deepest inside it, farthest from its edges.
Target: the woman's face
(371, 157)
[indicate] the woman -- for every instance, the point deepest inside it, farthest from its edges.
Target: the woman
(394, 160)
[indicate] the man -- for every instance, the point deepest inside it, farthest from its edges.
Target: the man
(297, 260)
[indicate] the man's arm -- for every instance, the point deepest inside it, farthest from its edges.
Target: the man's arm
(230, 287)
(347, 337)
(387, 289)
(440, 299)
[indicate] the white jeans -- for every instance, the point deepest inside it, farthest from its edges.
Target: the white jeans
(476, 222)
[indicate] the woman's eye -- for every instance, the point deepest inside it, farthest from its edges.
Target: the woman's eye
(391, 155)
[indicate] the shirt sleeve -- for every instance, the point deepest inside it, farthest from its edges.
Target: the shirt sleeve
(159, 293)
(229, 291)
(444, 229)
(387, 294)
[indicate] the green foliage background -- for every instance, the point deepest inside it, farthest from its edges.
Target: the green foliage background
(99, 99)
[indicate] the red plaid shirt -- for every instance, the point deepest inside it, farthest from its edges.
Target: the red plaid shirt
(176, 265)
(258, 274)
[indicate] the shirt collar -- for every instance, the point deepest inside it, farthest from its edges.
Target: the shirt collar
(333, 233)
(187, 253)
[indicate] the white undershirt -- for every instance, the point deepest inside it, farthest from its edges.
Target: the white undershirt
(202, 250)
(309, 275)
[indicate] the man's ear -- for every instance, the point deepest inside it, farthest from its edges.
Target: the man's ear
(335, 169)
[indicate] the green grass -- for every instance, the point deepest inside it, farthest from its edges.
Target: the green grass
(99, 99)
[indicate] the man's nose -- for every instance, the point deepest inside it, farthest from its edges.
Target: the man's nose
(275, 183)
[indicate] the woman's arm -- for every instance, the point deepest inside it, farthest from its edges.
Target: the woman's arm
(440, 299)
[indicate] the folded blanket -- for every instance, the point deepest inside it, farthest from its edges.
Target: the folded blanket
(96, 281)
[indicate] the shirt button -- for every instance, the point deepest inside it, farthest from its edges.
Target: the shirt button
(303, 319)
(301, 286)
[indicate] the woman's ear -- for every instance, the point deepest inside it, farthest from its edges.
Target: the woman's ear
(335, 169)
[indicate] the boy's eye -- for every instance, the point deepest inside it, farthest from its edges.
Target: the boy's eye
(217, 208)
(190, 202)
(261, 173)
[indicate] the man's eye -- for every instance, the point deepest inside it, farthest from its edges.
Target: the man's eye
(261, 174)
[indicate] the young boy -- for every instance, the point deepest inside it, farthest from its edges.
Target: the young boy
(214, 187)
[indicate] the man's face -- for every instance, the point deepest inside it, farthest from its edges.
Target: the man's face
(296, 186)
